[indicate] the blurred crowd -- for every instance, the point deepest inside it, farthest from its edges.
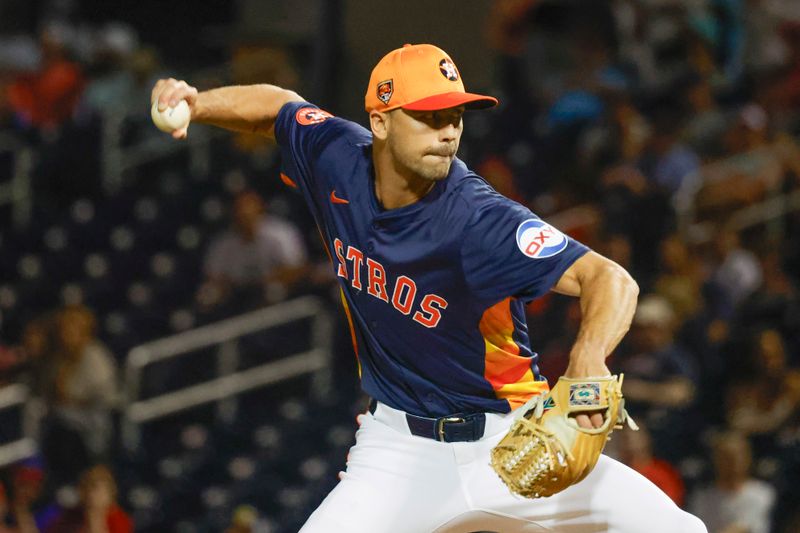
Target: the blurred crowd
(56, 90)
(662, 133)
(59, 91)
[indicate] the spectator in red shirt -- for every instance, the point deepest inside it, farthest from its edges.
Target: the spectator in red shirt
(787, 91)
(97, 511)
(4, 511)
(48, 98)
(636, 451)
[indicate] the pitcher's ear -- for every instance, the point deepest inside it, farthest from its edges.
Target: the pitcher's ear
(379, 124)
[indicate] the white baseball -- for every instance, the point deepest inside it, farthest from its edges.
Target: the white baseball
(172, 118)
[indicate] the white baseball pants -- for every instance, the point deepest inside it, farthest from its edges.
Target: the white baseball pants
(400, 483)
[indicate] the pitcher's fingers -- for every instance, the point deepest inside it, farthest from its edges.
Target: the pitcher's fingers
(589, 420)
(167, 94)
(174, 93)
(181, 133)
(583, 421)
(158, 89)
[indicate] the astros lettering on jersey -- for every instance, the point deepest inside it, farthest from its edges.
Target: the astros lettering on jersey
(427, 286)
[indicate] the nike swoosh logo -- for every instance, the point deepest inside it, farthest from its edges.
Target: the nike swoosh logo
(336, 200)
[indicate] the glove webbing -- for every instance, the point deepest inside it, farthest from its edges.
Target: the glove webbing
(526, 473)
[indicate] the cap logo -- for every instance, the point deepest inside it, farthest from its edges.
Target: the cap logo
(385, 91)
(448, 69)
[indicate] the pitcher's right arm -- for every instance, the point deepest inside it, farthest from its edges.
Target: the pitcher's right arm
(243, 108)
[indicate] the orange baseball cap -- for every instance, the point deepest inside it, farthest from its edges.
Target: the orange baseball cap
(419, 77)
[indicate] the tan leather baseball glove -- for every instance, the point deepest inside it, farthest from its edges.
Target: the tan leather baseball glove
(545, 451)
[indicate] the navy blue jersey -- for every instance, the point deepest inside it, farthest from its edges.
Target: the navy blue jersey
(435, 290)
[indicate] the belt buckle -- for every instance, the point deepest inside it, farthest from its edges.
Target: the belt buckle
(440, 425)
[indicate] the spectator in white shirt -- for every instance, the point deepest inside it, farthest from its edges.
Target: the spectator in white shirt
(736, 502)
(738, 273)
(260, 256)
(81, 392)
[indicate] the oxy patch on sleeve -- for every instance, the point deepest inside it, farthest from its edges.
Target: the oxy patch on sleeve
(539, 240)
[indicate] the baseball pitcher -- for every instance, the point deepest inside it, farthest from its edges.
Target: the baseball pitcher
(435, 269)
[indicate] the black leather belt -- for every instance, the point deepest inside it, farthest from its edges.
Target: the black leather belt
(451, 428)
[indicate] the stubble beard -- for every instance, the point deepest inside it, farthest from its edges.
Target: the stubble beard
(419, 166)
(431, 172)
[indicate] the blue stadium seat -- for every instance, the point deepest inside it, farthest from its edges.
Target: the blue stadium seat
(115, 330)
(85, 228)
(144, 503)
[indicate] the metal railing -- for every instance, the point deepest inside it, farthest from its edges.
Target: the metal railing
(16, 190)
(119, 160)
(228, 382)
(17, 396)
(768, 211)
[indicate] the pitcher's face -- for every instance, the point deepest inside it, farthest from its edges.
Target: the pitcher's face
(425, 142)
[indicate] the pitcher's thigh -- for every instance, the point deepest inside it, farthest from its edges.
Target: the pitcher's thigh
(393, 484)
(630, 503)
(351, 506)
(612, 498)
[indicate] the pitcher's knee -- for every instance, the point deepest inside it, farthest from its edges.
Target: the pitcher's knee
(692, 524)
(669, 520)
